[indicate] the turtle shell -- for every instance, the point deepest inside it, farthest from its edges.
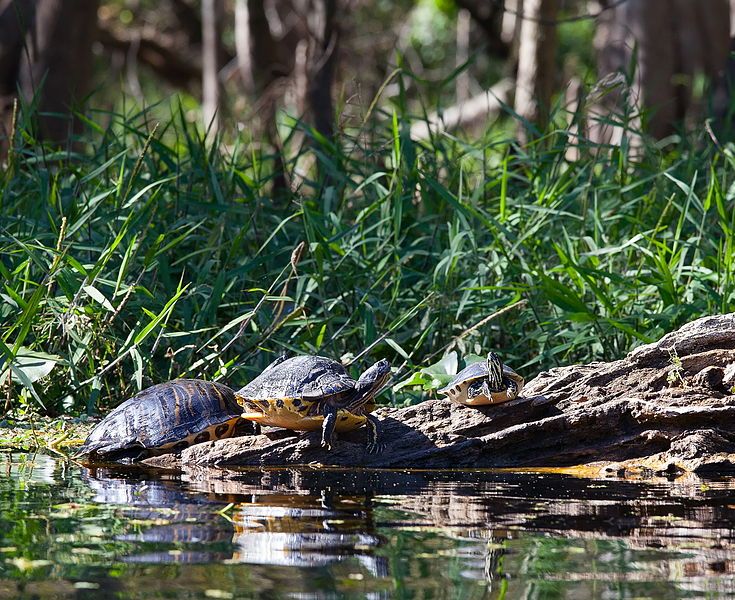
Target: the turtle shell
(165, 417)
(456, 390)
(291, 394)
(302, 377)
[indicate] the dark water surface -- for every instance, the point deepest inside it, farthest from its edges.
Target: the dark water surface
(71, 532)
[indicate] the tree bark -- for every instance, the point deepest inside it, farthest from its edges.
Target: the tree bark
(55, 65)
(489, 17)
(211, 32)
(322, 58)
(510, 28)
(462, 82)
(242, 45)
(672, 42)
(535, 81)
(15, 19)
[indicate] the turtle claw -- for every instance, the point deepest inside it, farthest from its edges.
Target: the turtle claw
(326, 445)
(375, 448)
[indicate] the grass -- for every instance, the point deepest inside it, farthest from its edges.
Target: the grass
(148, 254)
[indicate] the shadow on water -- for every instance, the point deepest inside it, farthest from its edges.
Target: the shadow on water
(123, 532)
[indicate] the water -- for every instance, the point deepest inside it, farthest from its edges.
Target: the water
(70, 532)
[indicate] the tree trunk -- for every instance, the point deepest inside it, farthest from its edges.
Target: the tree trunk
(489, 18)
(15, 19)
(211, 31)
(510, 29)
(55, 66)
(674, 41)
(322, 59)
(257, 48)
(536, 62)
(263, 61)
(462, 82)
(242, 45)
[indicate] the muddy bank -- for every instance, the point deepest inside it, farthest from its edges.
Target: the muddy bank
(665, 407)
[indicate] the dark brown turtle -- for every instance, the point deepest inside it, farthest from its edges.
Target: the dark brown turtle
(167, 417)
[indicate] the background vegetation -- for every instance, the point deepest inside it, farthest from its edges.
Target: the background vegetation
(144, 249)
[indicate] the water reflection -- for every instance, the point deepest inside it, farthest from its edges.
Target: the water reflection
(122, 532)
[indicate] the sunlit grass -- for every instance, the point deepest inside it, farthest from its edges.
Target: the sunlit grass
(148, 254)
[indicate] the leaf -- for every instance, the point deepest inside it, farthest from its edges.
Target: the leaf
(446, 366)
(27, 367)
(320, 336)
(34, 366)
(393, 344)
(417, 378)
(471, 359)
(138, 362)
(160, 316)
(95, 294)
(434, 376)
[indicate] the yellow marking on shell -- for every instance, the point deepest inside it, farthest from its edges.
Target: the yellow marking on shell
(220, 397)
(211, 430)
(284, 413)
(177, 408)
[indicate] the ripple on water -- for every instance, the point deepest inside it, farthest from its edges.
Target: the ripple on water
(71, 532)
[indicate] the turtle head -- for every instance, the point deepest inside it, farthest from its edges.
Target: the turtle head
(494, 373)
(370, 382)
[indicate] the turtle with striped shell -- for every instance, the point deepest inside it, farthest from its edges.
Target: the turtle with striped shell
(309, 393)
(167, 417)
(484, 382)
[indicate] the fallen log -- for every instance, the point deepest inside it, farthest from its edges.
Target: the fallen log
(477, 110)
(666, 407)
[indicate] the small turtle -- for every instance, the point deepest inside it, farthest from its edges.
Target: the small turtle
(165, 417)
(307, 393)
(484, 382)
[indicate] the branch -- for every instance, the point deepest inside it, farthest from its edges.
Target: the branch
(477, 108)
(179, 68)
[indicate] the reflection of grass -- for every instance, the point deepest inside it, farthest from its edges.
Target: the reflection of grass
(150, 256)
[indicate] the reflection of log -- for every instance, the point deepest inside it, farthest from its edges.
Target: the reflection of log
(476, 111)
(666, 406)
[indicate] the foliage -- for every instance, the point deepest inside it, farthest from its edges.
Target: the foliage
(58, 435)
(146, 254)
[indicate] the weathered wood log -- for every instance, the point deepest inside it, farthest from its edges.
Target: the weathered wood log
(665, 407)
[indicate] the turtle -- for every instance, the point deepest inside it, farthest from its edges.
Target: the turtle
(484, 382)
(167, 417)
(308, 393)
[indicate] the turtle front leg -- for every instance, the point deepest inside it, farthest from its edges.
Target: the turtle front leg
(330, 420)
(373, 446)
(477, 388)
(512, 388)
(509, 386)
